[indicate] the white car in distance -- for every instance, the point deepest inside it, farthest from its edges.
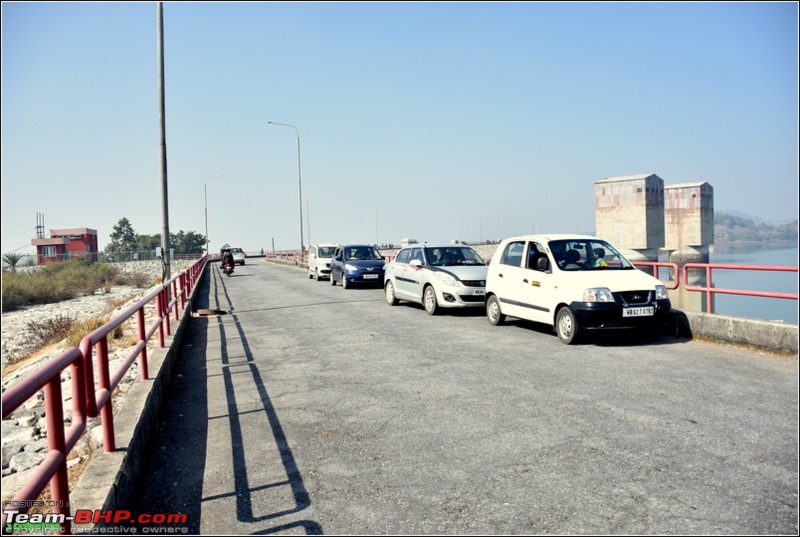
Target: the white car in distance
(319, 260)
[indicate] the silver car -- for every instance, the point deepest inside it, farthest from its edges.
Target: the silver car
(436, 276)
(239, 256)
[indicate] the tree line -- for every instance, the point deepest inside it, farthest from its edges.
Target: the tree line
(729, 228)
(125, 239)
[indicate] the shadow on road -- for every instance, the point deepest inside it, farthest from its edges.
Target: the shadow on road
(175, 478)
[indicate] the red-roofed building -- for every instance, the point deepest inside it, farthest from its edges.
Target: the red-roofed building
(63, 244)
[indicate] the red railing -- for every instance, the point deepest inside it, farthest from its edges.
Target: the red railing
(88, 400)
(656, 266)
(59, 442)
(709, 289)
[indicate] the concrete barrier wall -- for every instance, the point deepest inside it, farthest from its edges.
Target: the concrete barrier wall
(767, 335)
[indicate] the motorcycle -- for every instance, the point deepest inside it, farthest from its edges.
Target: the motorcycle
(228, 269)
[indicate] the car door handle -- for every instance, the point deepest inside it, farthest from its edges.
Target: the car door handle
(525, 280)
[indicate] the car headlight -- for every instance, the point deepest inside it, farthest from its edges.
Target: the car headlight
(448, 279)
(661, 292)
(597, 294)
(348, 266)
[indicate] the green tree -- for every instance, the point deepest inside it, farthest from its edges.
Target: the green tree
(148, 243)
(11, 260)
(187, 243)
(123, 237)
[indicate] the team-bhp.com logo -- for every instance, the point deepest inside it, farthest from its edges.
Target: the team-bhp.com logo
(112, 521)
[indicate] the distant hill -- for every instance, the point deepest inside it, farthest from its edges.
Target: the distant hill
(731, 228)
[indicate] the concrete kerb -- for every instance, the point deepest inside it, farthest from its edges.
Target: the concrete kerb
(111, 480)
(768, 335)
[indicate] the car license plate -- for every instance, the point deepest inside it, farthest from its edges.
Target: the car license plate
(370, 276)
(479, 292)
(638, 312)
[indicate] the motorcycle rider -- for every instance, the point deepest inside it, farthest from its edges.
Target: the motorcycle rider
(227, 257)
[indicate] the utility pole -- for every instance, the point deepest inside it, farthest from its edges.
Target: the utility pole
(163, 149)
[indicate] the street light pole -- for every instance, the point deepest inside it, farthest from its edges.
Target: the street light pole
(205, 190)
(299, 182)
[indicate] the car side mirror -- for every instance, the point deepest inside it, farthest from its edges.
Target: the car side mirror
(415, 263)
(338, 258)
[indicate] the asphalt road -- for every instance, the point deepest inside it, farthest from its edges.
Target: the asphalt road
(308, 408)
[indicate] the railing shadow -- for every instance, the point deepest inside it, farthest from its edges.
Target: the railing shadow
(242, 487)
(182, 445)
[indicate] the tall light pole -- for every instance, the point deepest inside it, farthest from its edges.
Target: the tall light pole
(205, 189)
(299, 182)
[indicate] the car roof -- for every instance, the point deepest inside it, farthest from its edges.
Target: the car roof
(552, 237)
(436, 245)
(357, 246)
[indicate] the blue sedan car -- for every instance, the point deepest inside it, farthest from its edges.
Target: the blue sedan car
(357, 263)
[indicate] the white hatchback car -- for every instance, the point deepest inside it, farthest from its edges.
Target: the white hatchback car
(440, 275)
(319, 260)
(574, 283)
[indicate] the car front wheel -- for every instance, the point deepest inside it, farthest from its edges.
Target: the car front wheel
(493, 312)
(344, 281)
(333, 280)
(429, 300)
(567, 326)
(391, 298)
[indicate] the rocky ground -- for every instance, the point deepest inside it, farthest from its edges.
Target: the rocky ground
(24, 443)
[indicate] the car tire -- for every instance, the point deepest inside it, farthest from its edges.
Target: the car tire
(429, 300)
(566, 326)
(310, 276)
(391, 298)
(333, 280)
(344, 281)
(493, 313)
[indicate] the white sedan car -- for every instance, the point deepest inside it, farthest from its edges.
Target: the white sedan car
(575, 283)
(436, 276)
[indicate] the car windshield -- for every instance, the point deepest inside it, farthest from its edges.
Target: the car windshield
(362, 253)
(326, 251)
(452, 255)
(587, 254)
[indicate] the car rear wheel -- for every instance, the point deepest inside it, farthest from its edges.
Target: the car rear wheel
(493, 312)
(429, 300)
(567, 326)
(391, 298)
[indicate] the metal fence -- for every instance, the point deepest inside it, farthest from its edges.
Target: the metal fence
(32, 260)
(91, 392)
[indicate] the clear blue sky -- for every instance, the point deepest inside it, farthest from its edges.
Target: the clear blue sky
(428, 120)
